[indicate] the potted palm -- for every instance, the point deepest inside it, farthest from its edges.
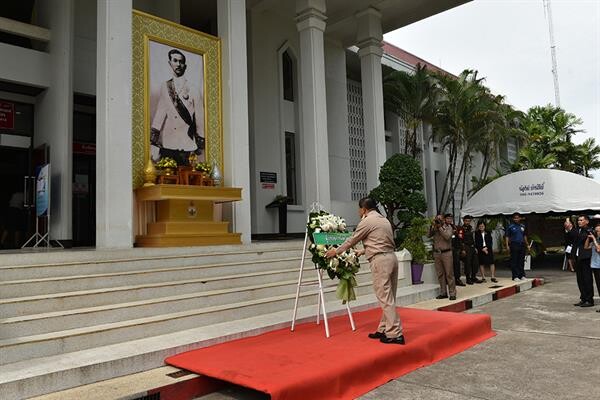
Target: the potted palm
(413, 242)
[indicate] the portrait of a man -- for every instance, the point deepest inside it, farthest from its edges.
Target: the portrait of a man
(176, 104)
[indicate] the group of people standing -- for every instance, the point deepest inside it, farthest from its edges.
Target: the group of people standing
(455, 243)
(583, 256)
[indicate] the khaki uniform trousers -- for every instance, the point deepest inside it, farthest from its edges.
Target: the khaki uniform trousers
(444, 267)
(384, 270)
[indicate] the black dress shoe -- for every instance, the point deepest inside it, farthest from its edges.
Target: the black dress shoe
(452, 298)
(587, 304)
(477, 280)
(442, 296)
(598, 310)
(579, 304)
(396, 340)
(469, 282)
(376, 335)
(460, 283)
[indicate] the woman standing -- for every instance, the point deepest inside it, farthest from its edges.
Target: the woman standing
(570, 237)
(485, 250)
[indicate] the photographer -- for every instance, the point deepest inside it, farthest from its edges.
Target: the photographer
(593, 243)
(441, 233)
(583, 265)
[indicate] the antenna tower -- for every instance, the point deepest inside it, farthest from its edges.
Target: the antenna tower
(548, 12)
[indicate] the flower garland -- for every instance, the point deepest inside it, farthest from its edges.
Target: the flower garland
(343, 266)
(166, 162)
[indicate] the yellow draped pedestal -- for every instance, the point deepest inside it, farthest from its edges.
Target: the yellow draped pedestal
(184, 216)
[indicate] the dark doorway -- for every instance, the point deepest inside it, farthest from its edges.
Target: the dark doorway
(15, 226)
(84, 179)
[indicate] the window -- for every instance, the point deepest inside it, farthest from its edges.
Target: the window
(288, 76)
(290, 166)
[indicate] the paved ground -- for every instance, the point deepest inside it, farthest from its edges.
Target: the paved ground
(545, 349)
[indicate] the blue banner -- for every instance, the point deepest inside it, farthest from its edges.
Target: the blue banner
(42, 191)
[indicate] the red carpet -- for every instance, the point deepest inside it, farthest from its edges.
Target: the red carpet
(306, 365)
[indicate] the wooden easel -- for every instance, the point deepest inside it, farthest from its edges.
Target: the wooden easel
(315, 207)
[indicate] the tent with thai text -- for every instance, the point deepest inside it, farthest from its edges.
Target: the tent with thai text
(536, 191)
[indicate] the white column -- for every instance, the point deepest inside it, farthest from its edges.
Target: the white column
(232, 31)
(54, 114)
(310, 21)
(113, 126)
(369, 42)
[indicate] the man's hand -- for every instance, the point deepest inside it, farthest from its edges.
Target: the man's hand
(360, 252)
(330, 253)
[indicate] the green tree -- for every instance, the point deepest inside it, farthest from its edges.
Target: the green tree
(589, 156)
(400, 192)
(411, 96)
(463, 114)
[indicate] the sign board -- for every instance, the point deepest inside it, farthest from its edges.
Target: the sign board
(268, 177)
(268, 186)
(84, 148)
(7, 115)
(42, 190)
(330, 238)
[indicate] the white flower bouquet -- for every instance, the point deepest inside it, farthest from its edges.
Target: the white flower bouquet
(344, 266)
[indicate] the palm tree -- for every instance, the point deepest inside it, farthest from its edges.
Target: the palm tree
(532, 158)
(459, 123)
(589, 156)
(412, 97)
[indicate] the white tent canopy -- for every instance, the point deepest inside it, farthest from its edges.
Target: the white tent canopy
(535, 191)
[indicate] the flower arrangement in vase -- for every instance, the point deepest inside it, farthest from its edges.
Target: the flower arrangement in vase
(203, 167)
(167, 165)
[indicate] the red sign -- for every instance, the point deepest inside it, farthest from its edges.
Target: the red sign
(84, 148)
(7, 115)
(268, 186)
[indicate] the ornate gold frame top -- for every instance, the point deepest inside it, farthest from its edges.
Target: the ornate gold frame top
(215, 194)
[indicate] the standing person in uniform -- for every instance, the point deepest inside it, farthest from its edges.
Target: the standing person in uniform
(517, 243)
(583, 268)
(377, 236)
(470, 253)
(456, 248)
(485, 251)
(442, 255)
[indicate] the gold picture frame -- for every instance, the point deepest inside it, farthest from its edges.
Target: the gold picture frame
(148, 30)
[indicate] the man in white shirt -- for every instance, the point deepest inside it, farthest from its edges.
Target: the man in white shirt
(177, 128)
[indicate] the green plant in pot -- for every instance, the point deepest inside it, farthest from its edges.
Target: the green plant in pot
(413, 242)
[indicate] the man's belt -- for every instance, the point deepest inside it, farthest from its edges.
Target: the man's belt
(380, 254)
(442, 251)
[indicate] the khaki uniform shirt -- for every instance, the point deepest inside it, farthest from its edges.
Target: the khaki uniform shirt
(376, 233)
(442, 237)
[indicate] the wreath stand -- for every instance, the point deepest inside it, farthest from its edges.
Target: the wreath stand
(315, 207)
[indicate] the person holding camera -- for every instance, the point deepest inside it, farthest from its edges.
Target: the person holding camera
(593, 243)
(457, 236)
(441, 232)
(583, 268)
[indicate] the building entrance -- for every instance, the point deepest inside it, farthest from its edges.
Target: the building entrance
(15, 213)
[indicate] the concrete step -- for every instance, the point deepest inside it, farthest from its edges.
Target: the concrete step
(38, 376)
(81, 282)
(40, 257)
(41, 323)
(70, 340)
(50, 269)
(46, 303)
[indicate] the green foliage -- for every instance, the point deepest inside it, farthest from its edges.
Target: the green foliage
(400, 192)
(413, 241)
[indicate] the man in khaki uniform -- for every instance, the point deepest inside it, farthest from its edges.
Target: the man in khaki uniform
(442, 255)
(377, 236)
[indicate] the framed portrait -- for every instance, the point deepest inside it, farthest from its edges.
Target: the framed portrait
(176, 99)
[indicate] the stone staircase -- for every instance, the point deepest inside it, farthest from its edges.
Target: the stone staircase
(71, 318)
